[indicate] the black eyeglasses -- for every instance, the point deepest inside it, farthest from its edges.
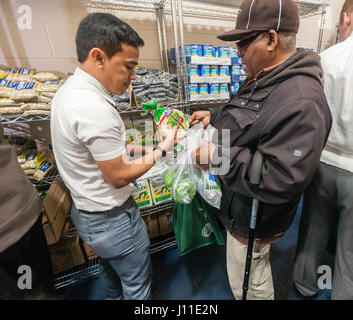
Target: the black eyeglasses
(245, 42)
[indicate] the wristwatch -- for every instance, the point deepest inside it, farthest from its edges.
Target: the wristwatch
(164, 153)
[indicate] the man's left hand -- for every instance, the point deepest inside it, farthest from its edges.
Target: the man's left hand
(203, 154)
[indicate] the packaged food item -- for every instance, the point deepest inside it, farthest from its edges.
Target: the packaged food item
(43, 99)
(47, 94)
(22, 157)
(50, 86)
(4, 73)
(160, 192)
(11, 110)
(25, 91)
(193, 88)
(21, 74)
(223, 88)
(36, 113)
(7, 102)
(205, 70)
(167, 118)
(130, 132)
(142, 194)
(214, 88)
(223, 52)
(143, 131)
(235, 70)
(43, 170)
(7, 87)
(196, 50)
(214, 71)
(224, 71)
(203, 88)
(46, 76)
(193, 70)
(234, 87)
(33, 160)
(208, 51)
(35, 106)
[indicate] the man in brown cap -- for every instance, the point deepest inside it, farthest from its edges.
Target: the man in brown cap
(281, 112)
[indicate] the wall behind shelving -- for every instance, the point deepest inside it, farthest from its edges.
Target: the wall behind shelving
(49, 45)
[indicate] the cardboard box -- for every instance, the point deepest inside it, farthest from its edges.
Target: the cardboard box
(56, 208)
(165, 223)
(90, 254)
(152, 225)
(66, 254)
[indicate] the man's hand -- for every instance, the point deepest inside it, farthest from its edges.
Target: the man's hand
(203, 116)
(171, 140)
(202, 155)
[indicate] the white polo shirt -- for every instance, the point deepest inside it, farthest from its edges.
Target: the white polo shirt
(86, 128)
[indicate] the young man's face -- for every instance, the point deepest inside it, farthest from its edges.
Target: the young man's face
(120, 69)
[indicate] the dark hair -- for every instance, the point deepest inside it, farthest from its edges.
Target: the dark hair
(106, 32)
(347, 7)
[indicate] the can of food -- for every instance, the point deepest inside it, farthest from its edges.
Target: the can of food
(214, 71)
(234, 87)
(223, 71)
(196, 50)
(214, 88)
(203, 88)
(188, 50)
(223, 52)
(233, 52)
(235, 70)
(205, 70)
(193, 70)
(208, 51)
(193, 88)
(223, 88)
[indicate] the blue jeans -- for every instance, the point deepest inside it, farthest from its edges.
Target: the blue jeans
(120, 238)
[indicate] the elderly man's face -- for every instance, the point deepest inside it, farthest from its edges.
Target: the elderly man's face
(254, 54)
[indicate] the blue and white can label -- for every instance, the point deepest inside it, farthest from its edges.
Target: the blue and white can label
(205, 70)
(193, 88)
(214, 71)
(223, 88)
(223, 52)
(208, 51)
(203, 88)
(193, 70)
(196, 50)
(214, 88)
(223, 71)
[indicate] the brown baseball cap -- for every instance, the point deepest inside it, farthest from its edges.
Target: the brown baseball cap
(264, 15)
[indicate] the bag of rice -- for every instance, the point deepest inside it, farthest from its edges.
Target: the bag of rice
(25, 91)
(46, 76)
(20, 74)
(51, 86)
(7, 87)
(4, 73)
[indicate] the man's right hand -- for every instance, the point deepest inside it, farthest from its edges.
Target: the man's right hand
(203, 116)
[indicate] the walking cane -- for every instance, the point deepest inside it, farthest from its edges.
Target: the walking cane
(255, 173)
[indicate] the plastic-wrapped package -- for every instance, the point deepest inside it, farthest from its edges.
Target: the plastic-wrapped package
(142, 193)
(160, 192)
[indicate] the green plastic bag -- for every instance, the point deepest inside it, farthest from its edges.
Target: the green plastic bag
(195, 226)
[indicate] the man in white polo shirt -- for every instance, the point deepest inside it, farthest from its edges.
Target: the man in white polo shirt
(88, 137)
